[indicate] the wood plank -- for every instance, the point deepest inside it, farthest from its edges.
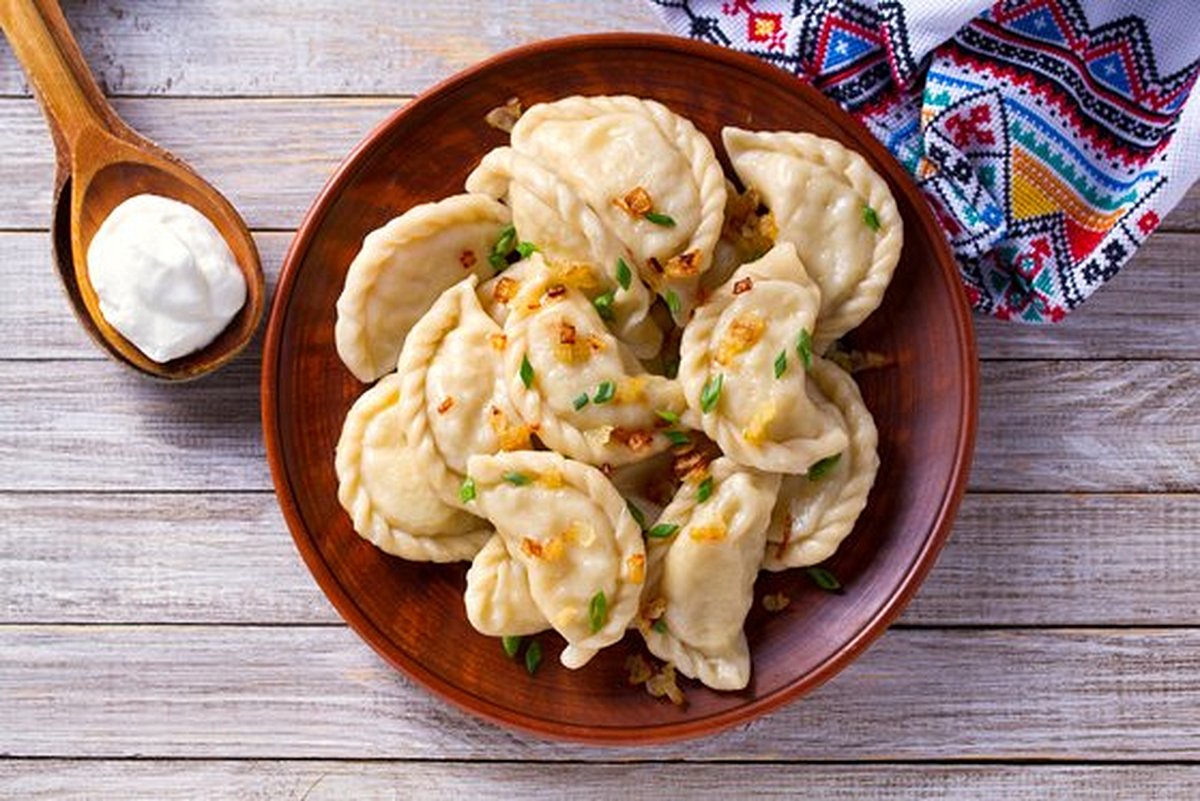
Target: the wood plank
(295, 143)
(56, 780)
(227, 47)
(1088, 426)
(283, 692)
(1044, 426)
(1160, 324)
(1019, 560)
(176, 558)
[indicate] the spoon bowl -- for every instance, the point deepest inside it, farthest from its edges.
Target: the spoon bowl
(101, 163)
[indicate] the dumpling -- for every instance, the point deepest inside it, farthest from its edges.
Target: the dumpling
(836, 210)
(497, 599)
(702, 559)
(453, 402)
(550, 214)
(743, 363)
(402, 268)
(576, 385)
(578, 542)
(386, 495)
(652, 178)
(816, 513)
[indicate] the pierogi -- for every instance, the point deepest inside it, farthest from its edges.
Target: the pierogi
(602, 377)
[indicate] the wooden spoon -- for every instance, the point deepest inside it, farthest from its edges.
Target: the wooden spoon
(102, 162)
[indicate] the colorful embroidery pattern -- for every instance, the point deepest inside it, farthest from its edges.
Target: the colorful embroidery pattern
(1037, 138)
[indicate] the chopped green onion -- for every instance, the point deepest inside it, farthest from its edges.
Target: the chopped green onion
(663, 530)
(503, 246)
(598, 611)
(526, 372)
(822, 468)
(671, 367)
(824, 579)
(673, 303)
(711, 393)
(781, 363)
(604, 392)
(638, 515)
(665, 220)
(510, 645)
(660, 625)
(533, 657)
(870, 217)
(604, 306)
(705, 490)
(516, 479)
(668, 415)
(624, 274)
(466, 492)
(804, 349)
(526, 249)
(580, 401)
(677, 437)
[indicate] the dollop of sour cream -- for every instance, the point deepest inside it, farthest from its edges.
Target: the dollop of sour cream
(165, 277)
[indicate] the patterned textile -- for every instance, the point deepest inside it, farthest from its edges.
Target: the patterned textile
(1050, 136)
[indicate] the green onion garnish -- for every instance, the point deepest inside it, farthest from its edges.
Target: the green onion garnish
(604, 392)
(503, 246)
(580, 401)
(660, 625)
(638, 515)
(516, 479)
(781, 363)
(673, 303)
(598, 611)
(604, 306)
(466, 492)
(624, 274)
(824, 579)
(711, 393)
(705, 490)
(870, 217)
(526, 372)
(804, 349)
(510, 645)
(668, 415)
(665, 220)
(526, 249)
(533, 657)
(663, 530)
(822, 468)
(677, 437)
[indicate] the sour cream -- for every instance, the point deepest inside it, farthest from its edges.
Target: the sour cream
(165, 277)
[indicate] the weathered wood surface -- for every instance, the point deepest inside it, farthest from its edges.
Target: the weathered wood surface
(196, 558)
(160, 638)
(58, 780)
(1090, 426)
(319, 47)
(1150, 312)
(318, 692)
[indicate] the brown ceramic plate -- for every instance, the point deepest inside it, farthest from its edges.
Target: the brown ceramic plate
(412, 614)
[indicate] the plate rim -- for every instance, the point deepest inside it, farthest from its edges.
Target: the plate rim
(913, 574)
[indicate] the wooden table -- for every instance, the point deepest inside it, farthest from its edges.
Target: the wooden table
(160, 637)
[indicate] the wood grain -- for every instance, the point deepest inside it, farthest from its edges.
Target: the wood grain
(40, 324)
(1095, 426)
(226, 47)
(270, 692)
(222, 558)
(58, 780)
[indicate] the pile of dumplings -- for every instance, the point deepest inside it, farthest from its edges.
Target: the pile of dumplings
(598, 376)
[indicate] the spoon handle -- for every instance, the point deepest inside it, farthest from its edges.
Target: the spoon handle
(42, 42)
